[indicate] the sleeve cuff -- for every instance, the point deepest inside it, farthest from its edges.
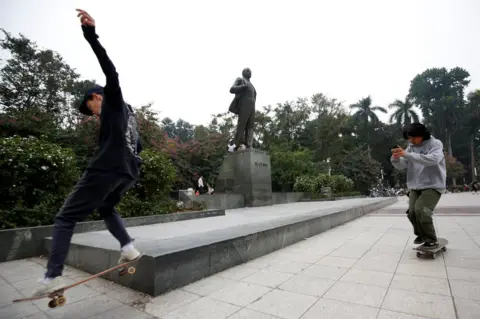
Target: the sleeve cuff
(89, 32)
(407, 155)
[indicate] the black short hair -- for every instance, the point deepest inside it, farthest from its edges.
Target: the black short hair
(83, 108)
(416, 130)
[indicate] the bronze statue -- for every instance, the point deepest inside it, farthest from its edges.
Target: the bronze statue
(244, 106)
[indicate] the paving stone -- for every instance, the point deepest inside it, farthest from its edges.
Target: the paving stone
(251, 314)
(467, 309)
(238, 272)
(126, 295)
(368, 277)
(307, 285)
(20, 270)
(85, 308)
(268, 278)
(324, 271)
(240, 294)
(357, 293)
(18, 310)
(7, 293)
(376, 265)
(420, 304)
(169, 302)
(124, 312)
(387, 314)
(337, 261)
(208, 285)
(204, 308)
(463, 273)
(421, 284)
(283, 304)
(333, 309)
(289, 267)
(38, 315)
(353, 251)
(422, 270)
(465, 289)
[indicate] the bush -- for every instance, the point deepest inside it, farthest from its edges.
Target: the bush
(150, 195)
(313, 184)
(36, 177)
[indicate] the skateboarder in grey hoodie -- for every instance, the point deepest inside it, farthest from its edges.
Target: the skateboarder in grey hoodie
(424, 161)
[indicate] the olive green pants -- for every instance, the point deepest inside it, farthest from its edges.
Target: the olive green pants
(420, 213)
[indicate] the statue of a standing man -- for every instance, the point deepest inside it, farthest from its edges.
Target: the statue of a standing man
(244, 106)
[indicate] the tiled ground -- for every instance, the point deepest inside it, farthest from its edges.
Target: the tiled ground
(365, 269)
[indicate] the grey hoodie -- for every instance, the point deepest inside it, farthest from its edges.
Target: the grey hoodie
(425, 164)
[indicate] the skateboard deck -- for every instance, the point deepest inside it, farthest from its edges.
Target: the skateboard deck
(432, 252)
(58, 299)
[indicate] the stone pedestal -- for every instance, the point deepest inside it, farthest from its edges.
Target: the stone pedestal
(247, 173)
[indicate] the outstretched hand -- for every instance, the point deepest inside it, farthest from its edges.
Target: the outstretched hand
(398, 152)
(85, 18)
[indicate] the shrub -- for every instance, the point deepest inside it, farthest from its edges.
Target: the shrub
(313, 184)
(150, 195)
(36, 177)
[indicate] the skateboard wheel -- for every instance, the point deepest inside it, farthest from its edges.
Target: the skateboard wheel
(434, 256)
(444, 248)
(131, 270)
(52, 303)
(419, 254)
(61, 301)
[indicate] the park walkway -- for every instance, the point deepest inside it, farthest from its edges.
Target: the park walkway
(365, 269)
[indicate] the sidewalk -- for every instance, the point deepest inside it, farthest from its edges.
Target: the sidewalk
(365, 269)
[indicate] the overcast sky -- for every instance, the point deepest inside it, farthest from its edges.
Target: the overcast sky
(184, 55)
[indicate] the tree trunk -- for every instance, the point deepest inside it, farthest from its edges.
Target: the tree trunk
(450, 152)
(472, 156)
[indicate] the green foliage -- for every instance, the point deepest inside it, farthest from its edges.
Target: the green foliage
(357, 164)
(150, 196)
(313, 184)
(36, 177)
(287, 165)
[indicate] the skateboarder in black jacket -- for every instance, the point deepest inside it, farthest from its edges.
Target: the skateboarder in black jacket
(111, 172)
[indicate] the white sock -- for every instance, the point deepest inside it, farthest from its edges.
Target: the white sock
(127, 247)
(47, 280)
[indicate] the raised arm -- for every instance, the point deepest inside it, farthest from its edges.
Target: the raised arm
(237, 86)
(88, 27)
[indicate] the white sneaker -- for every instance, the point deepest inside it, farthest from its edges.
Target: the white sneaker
(48, 285)
(128, 253)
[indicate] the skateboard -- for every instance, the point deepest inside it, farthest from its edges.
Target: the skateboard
(431, 252)
(57, 298)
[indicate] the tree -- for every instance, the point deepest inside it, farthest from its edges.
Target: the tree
(471, 121)
(440, 93)
(34, 78)
(366, 116)
(403, 113)
(356, 164)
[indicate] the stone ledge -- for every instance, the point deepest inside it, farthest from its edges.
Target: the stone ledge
(175, 262)
(18, 243)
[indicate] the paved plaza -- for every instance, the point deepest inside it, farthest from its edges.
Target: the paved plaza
(364, 269)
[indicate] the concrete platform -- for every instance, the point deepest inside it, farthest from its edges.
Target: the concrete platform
(364, 269)
(183, 252)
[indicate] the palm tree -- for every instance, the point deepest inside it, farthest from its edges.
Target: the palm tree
(365, 113)
(404, 113)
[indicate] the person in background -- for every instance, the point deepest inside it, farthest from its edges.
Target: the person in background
(201, 186)
(424, 161)
(231, 147)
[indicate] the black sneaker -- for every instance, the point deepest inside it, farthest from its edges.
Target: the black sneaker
(418, 241)
(430, 245)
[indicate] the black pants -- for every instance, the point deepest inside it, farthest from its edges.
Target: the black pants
(95, 189)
